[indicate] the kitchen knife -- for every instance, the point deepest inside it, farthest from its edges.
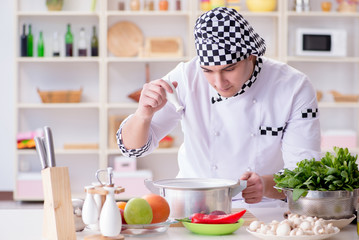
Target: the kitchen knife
(49, 147)
(41, 152)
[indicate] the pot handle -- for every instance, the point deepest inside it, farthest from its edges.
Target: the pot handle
(239, 187)
(150, 186)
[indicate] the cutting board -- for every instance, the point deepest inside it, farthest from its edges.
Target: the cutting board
(163, 47)
(125, 39)
(248, 218)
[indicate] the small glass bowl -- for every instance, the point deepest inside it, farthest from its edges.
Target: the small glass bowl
(132, 230)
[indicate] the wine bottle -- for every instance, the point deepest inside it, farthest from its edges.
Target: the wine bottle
(30, 44)
(40, 46)
(94, 43)
(69, 41)
(55, 45)
(23, 42)
(82, 52)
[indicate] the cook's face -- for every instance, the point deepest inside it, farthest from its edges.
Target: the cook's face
(227, 80)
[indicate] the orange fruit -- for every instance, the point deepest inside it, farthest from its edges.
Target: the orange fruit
(160, 207)
(121, 205)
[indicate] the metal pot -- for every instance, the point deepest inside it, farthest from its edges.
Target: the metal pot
(186, 196)
(324, 204)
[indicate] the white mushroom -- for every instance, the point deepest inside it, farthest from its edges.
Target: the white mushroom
(330, 228)
(264, 229)
(318, 229)
(293, 232)
(283, 229)
(255, 225)
(311, 220)
(305, 226)
(297, 222)
(299, 232)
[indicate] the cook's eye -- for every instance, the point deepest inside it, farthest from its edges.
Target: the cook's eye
(229, 69)
(206, 70)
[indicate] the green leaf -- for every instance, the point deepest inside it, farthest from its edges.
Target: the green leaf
(297, 193)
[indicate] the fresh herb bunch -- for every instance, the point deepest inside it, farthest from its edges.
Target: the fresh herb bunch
(332, 172)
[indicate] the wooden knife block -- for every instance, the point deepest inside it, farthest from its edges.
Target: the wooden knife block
(59, 221)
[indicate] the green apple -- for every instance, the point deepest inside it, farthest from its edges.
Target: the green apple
(138, 211)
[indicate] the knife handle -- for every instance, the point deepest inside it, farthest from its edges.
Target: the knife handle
(40, 149)
(49, 147)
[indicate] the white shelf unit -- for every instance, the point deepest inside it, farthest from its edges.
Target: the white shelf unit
(107, 80)
(328, 73)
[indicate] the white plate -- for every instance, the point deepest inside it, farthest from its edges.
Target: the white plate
(340, 223)
(145, 230)
(303, 237)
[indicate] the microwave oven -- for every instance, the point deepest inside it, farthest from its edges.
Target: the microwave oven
(321, 42)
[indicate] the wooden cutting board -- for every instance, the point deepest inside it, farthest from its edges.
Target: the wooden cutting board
(125, 39)
(248, 218)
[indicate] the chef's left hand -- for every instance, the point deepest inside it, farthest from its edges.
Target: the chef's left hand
(255, 187)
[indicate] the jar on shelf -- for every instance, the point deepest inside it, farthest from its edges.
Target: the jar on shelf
(218, 3)
(205, 5)
(135, 5)
(149, 5)
(261, 5)
(163, 5)
(54, 5)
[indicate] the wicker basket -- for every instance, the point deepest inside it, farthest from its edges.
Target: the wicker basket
(338, 97)
(65, 96)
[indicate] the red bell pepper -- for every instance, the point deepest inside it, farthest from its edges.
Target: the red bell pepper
(217, 219)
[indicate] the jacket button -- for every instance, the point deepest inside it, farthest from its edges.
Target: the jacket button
(252, 134)
(214, 167)
(254, 101)
(216, 133)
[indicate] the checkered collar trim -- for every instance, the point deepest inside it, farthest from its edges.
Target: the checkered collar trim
(257, 68)
(223, 36)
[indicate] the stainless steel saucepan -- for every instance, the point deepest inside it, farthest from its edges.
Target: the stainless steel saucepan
(186, 196)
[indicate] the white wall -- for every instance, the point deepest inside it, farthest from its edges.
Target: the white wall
(7, 139)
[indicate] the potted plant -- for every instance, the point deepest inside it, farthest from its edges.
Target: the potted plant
(54, 5)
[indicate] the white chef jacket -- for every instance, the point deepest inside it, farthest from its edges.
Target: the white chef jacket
(271, 126)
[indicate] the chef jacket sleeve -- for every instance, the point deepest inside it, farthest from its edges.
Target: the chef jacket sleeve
(301, 138)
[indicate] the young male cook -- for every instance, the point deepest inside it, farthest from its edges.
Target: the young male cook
(245, 116)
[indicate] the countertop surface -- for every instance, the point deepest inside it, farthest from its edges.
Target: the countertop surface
(27, 224)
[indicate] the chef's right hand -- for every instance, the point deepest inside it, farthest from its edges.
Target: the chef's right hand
(153, 97)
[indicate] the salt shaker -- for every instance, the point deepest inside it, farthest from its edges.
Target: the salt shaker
(110, 218)
(89, 209)
(173, 98)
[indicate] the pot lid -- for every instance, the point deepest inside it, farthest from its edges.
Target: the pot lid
(195, 183)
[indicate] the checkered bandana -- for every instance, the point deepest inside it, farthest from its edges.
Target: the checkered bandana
(257, 69)
(223, 36)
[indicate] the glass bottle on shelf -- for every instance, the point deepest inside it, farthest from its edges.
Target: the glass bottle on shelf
(135, 5)
(55, 45)
(82, 50)
(30, 44)
(121, 5)
(23, 42)
(94, 43)
(40, 46)
(69, 41)
(178, 5)
(163, 5)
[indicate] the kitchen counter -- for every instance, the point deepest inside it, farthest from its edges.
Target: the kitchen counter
(27, 224)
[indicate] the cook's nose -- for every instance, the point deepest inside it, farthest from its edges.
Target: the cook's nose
(219, 80)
